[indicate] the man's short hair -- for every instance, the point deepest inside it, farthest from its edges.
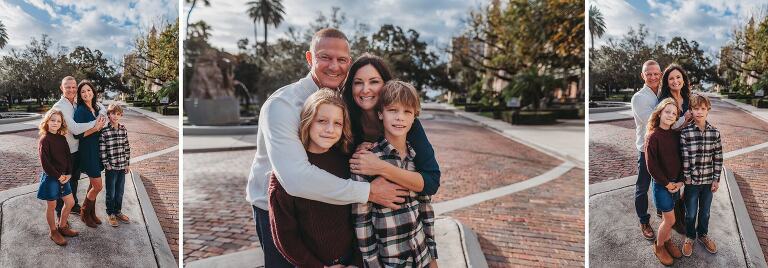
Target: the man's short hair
(698, 100)
(649, 63)
(114, 109)
(325, 32)
(399, 92)
(67, 78)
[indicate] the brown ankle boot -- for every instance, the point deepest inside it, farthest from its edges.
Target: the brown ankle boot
(93, 213)
(66, 231)
(58, 238)
(662, 254)
(673, 250)
(85, 214)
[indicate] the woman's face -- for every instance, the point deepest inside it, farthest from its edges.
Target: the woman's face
(86, 93)
(669, 115)
(675, 80)
(326, 127)
(366, 86)
(54, 124)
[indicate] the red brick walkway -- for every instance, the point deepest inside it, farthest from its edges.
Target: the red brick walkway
(218, 220)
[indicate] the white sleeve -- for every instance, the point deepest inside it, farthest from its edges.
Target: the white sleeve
(289, 161)
(679, 122)
(72, 126)
(640, 109)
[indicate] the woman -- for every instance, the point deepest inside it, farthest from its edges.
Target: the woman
(90, 162)
(366, 77)
(675, 85)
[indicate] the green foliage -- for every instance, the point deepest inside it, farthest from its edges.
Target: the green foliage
(3, 35)
(531, 86)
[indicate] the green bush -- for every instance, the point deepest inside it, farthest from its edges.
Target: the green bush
(565, 113)
(535, 118)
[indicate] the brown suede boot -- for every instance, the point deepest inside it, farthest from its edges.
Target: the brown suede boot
(673, 250)
(66, 231)
(93, 213)
(85, 214)
(58, 238)
(662, 254)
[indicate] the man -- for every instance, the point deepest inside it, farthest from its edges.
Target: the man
(279, 148)
(67, 107)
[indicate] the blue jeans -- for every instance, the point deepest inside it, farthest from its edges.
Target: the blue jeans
(272, 257)
(697, 197)
(114, 183)
(664, 200)
(72, 185)
(641, 190)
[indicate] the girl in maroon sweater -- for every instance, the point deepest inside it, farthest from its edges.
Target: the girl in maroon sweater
(54, 181)
(310, 233)
(662, 157)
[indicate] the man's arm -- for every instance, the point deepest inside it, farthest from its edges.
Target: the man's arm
(642, 108)
(298, 177)
(72, 126)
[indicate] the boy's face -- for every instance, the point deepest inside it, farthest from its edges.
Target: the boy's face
(115, 117)
(700, 113)
(397, 119)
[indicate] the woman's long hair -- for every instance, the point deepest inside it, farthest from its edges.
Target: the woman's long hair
(308, 112)
(80, 100)
(655, 120)
(666, 92)
(43, 127)
(355, 113)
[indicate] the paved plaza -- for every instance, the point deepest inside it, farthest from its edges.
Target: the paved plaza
(542, 225)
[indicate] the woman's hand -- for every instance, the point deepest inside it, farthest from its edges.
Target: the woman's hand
(367, 163)
(64, 179)
(365, 146)
(715, 186)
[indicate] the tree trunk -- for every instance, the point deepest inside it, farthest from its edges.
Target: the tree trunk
(255, 36)
(265, 39)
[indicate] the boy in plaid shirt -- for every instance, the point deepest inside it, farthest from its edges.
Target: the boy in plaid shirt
(115, 156)
(702, 162)
(404, 237)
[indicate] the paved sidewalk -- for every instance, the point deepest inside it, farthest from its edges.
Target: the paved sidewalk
(24, 238)
(171, 121)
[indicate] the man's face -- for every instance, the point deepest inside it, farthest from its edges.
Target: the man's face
(329, 62)
(652, 76)
(69, 89)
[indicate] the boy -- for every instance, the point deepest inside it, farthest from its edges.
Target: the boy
(404, 237)
(115, 156)
(702, 162)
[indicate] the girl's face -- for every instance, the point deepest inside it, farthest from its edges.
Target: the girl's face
(326, 127)
(366, 87)
(668, 115)
(86, 93)
(54, 124)
(675, 80)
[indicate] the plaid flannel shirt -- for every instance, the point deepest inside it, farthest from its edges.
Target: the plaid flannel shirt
(702, 154)
(395, 238)
(114, 148)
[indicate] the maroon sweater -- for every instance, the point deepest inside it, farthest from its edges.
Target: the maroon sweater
(54, 155)
(662, 156)
(311, 233)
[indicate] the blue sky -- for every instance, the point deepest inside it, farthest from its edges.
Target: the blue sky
(709, 22)
(106, 25)
(436, 21)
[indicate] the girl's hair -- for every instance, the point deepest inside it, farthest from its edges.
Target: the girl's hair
(355, 112)
(655, 120)
(666, 91)
(43, 128)
(324, 96)
(80, 100)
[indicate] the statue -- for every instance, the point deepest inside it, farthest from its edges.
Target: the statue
(212, 90)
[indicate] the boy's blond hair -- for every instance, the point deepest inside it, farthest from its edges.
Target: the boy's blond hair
(114, 109)
(399, 92)
(308, 112)
(698, 99)
(43, 127)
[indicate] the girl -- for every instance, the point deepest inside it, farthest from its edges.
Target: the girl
(311, 233)
(56, 162)
(662, 157)
(90, 161)
(675, 85)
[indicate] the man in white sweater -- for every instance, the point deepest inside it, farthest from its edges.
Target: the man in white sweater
(67, 107)
(279, 149)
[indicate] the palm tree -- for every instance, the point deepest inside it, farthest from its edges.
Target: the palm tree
(3, 35)
(194, 3)
(267, 11)
(596, 24)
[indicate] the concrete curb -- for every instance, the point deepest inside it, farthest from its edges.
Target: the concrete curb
(33, 116)
(220, 130)
(160, 246)
(151, 115)
(214, 150)
(473, 253)
(753, 253)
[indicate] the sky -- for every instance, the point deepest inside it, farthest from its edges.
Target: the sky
(436, 21)
(107, 25)
(709, 22)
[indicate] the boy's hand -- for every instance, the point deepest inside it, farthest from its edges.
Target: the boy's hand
(433, 264)
(715, 186)
(367, 163)
(364, 146)
(127, 169)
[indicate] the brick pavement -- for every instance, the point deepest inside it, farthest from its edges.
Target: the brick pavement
(218, 220)
(612, 154)
(751, 171)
